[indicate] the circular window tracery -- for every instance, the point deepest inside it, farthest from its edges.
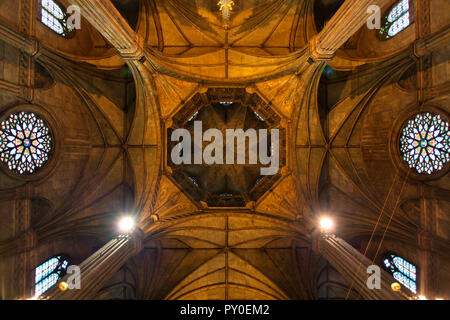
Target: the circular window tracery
(25, 142)
(424, 143)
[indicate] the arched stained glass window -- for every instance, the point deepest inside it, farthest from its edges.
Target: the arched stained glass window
(194, 181)
(398, 19)
(258, 180)
(193, 117)
(424, 143)
(25, 142)
(53, 17)
(402, 271)
(258, 116)
(48, 273)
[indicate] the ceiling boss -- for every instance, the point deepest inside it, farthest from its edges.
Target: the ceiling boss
(226, 6)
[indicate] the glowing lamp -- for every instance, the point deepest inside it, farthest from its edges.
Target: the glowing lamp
(126, 224)
(326, 224)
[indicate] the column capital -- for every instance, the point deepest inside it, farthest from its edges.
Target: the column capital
(138, 239)
(318, 52)
(425, 240)
(425, 46)
(18, 40)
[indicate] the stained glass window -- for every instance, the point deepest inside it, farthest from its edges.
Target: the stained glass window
(48, 273)
(194, 181)
(424, 143)
(54, 18)
(25, 142)
(398, 19)
(258, 116)
(258, 180)
(193, 117)
(402, 271)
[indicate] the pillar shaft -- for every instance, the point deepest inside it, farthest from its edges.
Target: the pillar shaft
(99, 268)
(352, 265)
(425, 239)
(22, 258)
(103, 16)
(350, 17)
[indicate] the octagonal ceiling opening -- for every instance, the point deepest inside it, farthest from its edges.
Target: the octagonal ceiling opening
(225, 185)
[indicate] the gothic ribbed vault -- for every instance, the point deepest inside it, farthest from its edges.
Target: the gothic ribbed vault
(139, 68)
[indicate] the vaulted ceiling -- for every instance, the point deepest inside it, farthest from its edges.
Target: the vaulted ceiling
(114, 115)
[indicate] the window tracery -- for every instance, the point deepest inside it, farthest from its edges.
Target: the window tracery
(53, 17)
(424, 143)
(25, 142)
(48, 273)
(402, 271)
(397, 20)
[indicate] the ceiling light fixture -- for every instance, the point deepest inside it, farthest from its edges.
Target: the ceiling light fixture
(126, 224)
(326, 224)
(226, 6)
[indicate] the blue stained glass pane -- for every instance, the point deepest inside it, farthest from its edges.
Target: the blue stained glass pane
(258, 116)
(193, 117)
(258, 180)
(45, 269)
(403, 271)
(45, 284)
(53, 8)
(53, 17)
(225, 195)
(398, 10)
(48, 273)
(51, 22)
(399, 25)
(397, 20)
(194, 181)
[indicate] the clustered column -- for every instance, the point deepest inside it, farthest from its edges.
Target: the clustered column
(99, 268)
(103, 15)
(352, 265)
(351, 16)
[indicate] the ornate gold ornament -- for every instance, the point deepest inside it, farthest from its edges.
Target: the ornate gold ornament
(63, 286)
(226, 6)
